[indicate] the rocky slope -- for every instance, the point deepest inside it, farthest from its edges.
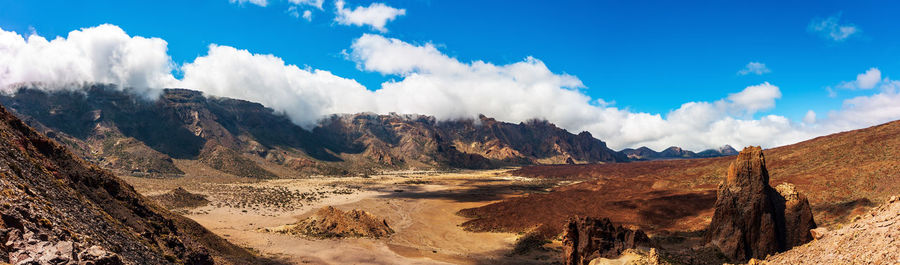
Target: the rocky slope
(57, 209)
(645, 153)
(123, 132)
(752, 219)
(872, 239)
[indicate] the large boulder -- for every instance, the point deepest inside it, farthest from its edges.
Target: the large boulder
(588, 238)
(798, 218)
(751, 218)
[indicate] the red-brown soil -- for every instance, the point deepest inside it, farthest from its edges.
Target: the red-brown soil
(842, 174)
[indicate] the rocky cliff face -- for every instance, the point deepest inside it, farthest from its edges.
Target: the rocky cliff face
(131, 135)
(586, 239)
(57, 209)
(752, 219)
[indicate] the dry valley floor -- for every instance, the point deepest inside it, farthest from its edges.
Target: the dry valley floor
(420, 207)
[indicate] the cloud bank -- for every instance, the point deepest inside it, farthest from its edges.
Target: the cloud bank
(104, 54)
(427, 81)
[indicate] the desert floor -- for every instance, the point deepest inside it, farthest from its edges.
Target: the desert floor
(420, 206)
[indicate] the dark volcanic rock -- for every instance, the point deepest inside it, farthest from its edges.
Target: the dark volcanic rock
(750, 216)
(798, 218)
(587, 238)
(53, 205)
(133, 135)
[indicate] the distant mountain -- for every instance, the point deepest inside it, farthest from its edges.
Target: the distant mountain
(58, 209)
(645, 153)
(184, 132)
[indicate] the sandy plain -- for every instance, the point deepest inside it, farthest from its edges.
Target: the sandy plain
(421, 207)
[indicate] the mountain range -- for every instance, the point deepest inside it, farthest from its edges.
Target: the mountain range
(184, 131)
(645, 153)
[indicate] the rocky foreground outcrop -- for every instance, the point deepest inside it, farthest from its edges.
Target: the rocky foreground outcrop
(751, 218)
(587, 238)
(330, 222)
(57, 209)
(872, 239)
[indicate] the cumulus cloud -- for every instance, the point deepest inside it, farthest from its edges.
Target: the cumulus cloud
(307, 15)
(304, 94)
(831, 29)
(262, 3)
(756, 68)
(755, 98)
(376, 15)
(427, 81)
(863, 111)
(104, 54)
(436, 84)
(867, 80)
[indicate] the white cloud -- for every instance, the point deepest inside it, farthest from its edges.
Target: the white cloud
(756, 68)
(315, 3)
(863, 111)
(435, 84)
(376, 15)
(307, 15)
(262, 3)
(810, 117)
(867, 80)
(755, 98)
(104, 54)
(304, 94)
(428, 82)
(293, 11)
(831, 29)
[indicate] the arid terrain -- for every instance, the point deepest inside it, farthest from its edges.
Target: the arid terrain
(399, 195)
(420, 206)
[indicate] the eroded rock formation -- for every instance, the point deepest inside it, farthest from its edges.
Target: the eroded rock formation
(330, 222)
(752, 219)
(588, 238)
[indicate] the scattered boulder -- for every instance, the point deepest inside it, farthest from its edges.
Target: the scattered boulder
(97, 255)
(587, 238)
(330, 222)
(753, 220)
(818, 233)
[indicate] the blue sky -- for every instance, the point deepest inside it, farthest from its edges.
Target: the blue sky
(645, 56)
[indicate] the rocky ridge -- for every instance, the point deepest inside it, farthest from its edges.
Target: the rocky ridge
(122, 131)
(57, 209)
